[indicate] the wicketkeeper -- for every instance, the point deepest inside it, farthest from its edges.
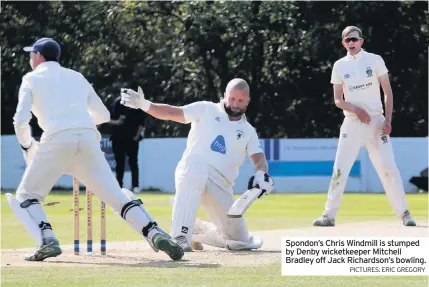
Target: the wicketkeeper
(68, 110)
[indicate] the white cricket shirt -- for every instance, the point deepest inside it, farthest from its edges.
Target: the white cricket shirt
(218, 142)
(60, 98)
(359, 76)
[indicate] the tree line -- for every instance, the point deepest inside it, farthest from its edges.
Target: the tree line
(181, 52)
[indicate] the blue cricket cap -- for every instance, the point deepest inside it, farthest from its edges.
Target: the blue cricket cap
(48, 47)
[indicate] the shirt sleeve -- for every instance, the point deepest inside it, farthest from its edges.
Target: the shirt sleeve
(195, 111)
(98, 111)
(254, 146)
(335, 77)
(22, 117)
(380, 68)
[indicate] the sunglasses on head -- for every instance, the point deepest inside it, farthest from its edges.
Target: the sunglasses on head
(352, 39)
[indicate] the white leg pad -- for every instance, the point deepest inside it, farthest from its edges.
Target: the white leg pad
(255, 242)
(131, 196)
(25, 218)
(207, 233)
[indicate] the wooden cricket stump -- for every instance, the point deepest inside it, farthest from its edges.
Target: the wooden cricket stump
(89, 222)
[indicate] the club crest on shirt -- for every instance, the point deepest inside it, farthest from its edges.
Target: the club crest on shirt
(218, 145)
(239, 134)
(346, 76)
(217, 119)
(384, 138)
(369, 72)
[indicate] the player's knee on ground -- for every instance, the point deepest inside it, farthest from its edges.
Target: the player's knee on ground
(208, 233)
(254, 242)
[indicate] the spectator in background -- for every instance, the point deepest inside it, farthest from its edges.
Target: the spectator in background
(126, 133)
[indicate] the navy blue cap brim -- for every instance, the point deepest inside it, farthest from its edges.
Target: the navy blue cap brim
(28, 49)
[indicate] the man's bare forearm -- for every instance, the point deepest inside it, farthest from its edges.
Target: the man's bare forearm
(339, 99)
(388, 105)
(345, 106)
(259, 162)
(166, 112)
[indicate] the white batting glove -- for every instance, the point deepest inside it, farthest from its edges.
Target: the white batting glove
(134, 100)
(263, 181)
(30, 152)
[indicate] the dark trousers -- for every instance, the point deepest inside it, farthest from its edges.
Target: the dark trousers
(122, 147)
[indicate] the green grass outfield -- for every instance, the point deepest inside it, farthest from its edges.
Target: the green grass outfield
(277, 211)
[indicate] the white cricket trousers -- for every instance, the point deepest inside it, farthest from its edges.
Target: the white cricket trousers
(76, 152)
(354, 134)
(215, 201)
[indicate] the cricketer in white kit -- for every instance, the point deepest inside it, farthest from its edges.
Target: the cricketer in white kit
(68, 110)
(217, 144)
(358, 77)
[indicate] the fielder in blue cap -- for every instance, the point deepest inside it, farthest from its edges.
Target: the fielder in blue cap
(44, 50)
(68, 110)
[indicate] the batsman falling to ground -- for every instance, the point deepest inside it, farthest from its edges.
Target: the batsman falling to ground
(219, 139)
(68, 110)
(358, 76)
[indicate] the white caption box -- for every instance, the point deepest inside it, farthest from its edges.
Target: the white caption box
(355, 256)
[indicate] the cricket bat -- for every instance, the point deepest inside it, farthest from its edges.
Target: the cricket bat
(243, 203)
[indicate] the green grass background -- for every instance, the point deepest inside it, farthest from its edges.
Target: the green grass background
(277, 211)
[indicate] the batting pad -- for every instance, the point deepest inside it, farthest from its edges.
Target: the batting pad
(25, 218)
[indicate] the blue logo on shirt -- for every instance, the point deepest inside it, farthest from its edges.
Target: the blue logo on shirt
(218, 145)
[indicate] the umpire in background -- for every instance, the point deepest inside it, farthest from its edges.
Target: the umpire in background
(127, 126)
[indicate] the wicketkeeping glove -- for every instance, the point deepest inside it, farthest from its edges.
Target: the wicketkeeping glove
(134, 100)
(263, 181)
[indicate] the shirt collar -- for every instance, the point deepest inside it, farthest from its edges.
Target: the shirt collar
(357, 56)
(45, 65)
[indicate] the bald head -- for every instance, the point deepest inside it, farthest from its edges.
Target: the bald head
(237, 84)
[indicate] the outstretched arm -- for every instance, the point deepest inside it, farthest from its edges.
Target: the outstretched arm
(166, 112)
(136, 100)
